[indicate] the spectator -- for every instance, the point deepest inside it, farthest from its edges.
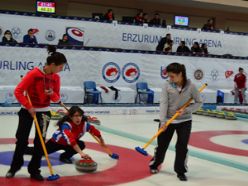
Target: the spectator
(195, 49)
(162, 42)
(164, 24)
(139, 18)
(109, 15)
(240, 87)
(204, 48)
(145, 18)
(183, 48)
(168, 46)
(30, 37)
(209, 25)
(64, 41)
(7, 38)
(156, 21)
(227, 29)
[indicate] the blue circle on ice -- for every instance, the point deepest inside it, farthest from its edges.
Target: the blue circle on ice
(6, 159)
(245, 141)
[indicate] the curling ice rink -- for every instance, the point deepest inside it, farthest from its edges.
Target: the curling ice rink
(218, 154)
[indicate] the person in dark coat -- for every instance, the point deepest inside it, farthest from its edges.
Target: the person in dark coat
(162, 42)
(8, 38)
(195, 49)
(204, 48)
(30, 37)
(182, 48)
(64, 41)
(156, 21)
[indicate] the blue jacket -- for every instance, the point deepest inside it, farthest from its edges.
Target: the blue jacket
(27, 39)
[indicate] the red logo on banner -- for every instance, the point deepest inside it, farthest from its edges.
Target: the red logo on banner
(35, 30)
(112, 71)
(131, 72)
(163, 72)
(228, 73)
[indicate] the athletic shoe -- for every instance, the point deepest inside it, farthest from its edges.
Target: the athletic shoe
(37, 177)
(154, 171)
(10, 174)
(182, 177)
(65, 160)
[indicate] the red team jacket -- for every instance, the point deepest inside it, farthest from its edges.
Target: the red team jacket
(240, 80)
(69, 133)
(35, 83)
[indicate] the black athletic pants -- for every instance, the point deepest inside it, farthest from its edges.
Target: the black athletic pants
(69, 151)
(22, 135)
(183, 133)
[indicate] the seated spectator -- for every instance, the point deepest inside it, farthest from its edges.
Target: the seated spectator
(168, 46)
(162, 42)
(64, 41)
(156, 21)
(209, 25)
(8, 38)
(30, 38)
(227, 29)
(109, 15)
(164, 24)
(195, 49)
(139, 18)
(145, 18)
(183, 48)
(204, 48)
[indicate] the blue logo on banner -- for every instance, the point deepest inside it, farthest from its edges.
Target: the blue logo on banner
(130, 72)
(111, 72)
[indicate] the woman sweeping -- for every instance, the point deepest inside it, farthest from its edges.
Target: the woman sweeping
(175, 93)
(43, 86)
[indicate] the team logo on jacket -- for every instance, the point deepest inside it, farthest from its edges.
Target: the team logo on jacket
(198, 74)
(130, 72)
(111, 72)
(75, 35)
(50, 35)
(163, 72)
(228, 73)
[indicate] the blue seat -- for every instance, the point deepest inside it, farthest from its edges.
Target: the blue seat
(144, 92)
(91, 94)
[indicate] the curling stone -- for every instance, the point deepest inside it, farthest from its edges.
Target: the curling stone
(86, 165)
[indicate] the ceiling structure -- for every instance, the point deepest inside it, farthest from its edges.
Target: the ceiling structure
(239, 6)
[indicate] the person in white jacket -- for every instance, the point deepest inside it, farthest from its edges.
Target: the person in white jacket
(175, 93)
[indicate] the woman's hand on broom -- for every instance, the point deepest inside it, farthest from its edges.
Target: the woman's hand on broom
(31, 111)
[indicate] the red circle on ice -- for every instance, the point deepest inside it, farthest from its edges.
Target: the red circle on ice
(131, 166)
(202, 140)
